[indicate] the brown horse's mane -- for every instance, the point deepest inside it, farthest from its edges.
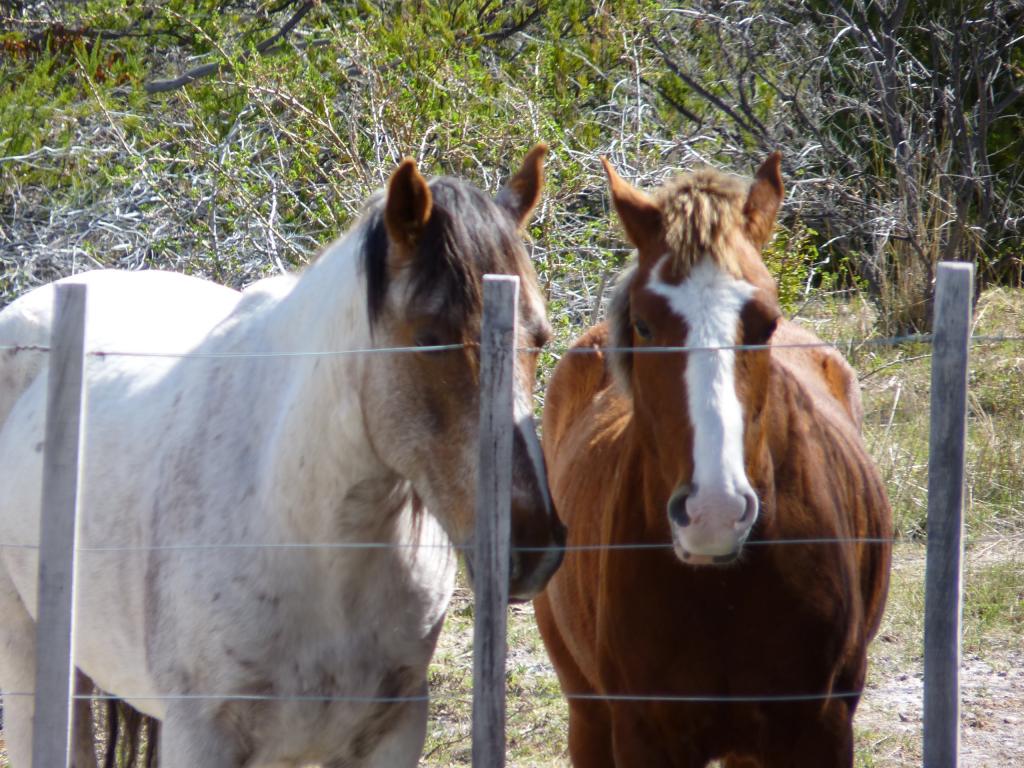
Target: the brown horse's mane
(620, 360)
(700, 212)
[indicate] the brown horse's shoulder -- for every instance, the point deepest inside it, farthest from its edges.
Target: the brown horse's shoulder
(817, 437)
(580, 375)
(822, 368)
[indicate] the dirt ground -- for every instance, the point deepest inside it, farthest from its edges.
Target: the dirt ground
(889, 719)
(992, 712)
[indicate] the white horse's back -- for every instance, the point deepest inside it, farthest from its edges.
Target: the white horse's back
(142, 311)
(129, 316)
(137, 313)
(127, 311)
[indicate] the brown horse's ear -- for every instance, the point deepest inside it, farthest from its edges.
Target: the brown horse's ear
(763, 200)
(521, 193)
(638, 213)
(408, 206)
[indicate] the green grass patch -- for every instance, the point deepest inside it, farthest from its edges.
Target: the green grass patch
(993, 604)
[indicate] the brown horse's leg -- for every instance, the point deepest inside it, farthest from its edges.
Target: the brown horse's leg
(825, 739)
(590, 734)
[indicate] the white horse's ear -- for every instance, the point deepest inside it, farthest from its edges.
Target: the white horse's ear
(408, 206)
(522, 192)
(639, 214)
(764, 199)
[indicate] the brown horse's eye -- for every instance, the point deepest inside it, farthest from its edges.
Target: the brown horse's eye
(427, 339)
(759, 320)
(642, 330)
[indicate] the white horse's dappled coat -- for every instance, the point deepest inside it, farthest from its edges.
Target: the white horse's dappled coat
(255, 655)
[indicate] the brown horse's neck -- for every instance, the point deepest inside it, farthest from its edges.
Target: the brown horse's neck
(807, 432)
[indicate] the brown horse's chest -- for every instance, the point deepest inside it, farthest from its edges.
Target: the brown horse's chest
(668, 628)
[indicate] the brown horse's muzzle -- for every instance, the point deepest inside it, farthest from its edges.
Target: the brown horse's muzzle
(710, 526)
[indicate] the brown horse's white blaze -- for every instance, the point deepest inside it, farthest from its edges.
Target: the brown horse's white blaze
(712, 514)
(688, 289)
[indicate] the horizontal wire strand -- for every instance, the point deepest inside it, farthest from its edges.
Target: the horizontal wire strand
(738, 699)
(380, 545)
(251, 697)
(838, 344)
(462, 697)
(359, 545)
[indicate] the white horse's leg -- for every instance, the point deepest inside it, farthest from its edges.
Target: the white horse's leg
(402, 744)
(83, 741)
(189, 738)
(17, 672)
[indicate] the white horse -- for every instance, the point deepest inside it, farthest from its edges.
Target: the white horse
(279, 655)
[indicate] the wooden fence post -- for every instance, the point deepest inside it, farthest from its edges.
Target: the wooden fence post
(493, 515)
(944, 570)
(58, 531)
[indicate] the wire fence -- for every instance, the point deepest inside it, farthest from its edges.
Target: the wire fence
(557, 352)
(299, 546)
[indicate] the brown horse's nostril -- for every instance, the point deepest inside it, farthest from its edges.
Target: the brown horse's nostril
(677, 511)
(677, 506)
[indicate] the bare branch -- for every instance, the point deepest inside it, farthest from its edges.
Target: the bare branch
(163, 86)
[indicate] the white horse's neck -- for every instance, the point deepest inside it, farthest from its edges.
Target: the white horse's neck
(324, 480)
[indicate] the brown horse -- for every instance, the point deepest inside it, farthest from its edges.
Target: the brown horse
(728, 535)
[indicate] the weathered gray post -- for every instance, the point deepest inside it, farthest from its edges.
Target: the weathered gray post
(493, 514)
(944, 570)
(57, 532)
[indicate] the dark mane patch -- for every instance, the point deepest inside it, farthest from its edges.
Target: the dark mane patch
(620, 330)
(466, 237)
(375, 264)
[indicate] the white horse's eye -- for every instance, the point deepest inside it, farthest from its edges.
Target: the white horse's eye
(642, 330)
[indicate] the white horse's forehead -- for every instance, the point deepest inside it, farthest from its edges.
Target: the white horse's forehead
(709, 300)
(430, 303)
(532, 308)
